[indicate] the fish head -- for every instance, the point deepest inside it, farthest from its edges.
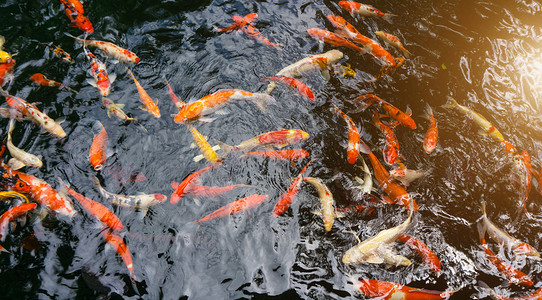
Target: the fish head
(509, 147)
(349, 6)
(526, 249)
(4, 57)
(83, 23)
(37, 78)
(192, 111)
(160, 198)
(333, 56)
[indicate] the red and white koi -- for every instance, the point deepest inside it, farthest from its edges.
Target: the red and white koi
(392, 111)
(6, 72)
(149, 105)
(75, 12)
(333, 39)
(352, 150)
(389, 290)
(111, 50)
(394, 41)
(304, 90)
(431, 136)
(249, 202)
(428, 257)
(287, 197)
(41, 80)
(278, 139)
(391, 147)
(364, 10)
(102, 81)
(10, 216)
(512, 274)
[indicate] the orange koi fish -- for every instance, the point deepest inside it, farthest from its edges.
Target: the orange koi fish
(249, 202)
(102, 81)
(244, 24)
(216, 101)
(394, 190)
(304, 90)
(348, 31)
(352, 150)
(279, 139)
(389, 290)
(333, 39)
(290, 154)
(391, 148)
(364, 10)
(512, 274)
(115, 241)
(213, 191)
(95, 209)
(11, 215)
(428, 257)
(287, 197)
(97, 154)
(394, 41)
(41, 80)
(75, 12)
(178, 103)
(40, 191)
(59, 52)
(431, 136)
(509, 147)
(111, 50)
(393, 112)
(183, 188)
(6, 71)
(150, 105)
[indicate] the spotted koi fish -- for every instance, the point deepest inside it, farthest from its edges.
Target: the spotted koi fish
(59, 52)
(75, 12)
(110, 49)
(102, 81)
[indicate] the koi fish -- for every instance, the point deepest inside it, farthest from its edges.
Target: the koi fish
(376, 249)
(41, 80)
(244, 24)
(212, 191)
(111, 50)
(366, 184)
(98, 148)
(4, 56)
(522, 166)
(249, 202)
(534, 296)
(389, 290)
(279, 139)
(483, 123)
(333, 39)
(318, 62)
(207, 150)
(116, 110)
(183, 188)
(391, 148)
(393, 112)
(37, 116)
(24, 157)
(348, 31)
(509, 147)
(140, 202)
(431, 136)
(406, 176)
(116, 242)
(364, 10)
(6, 72)
(394, 41)
(352, 150)
(75, 12)
(289, 154)
(428, 257)
(287, 197)
(11, 113)
(102, 81)
(326, 202)
(95, 209)
(512, 274)
(59, 52)
(11, 215)
(501, 237)
(11, 194)
(178, 103)
(149, 105)
(39, 191)
(304, 90)
(217, 100)
(15, 164)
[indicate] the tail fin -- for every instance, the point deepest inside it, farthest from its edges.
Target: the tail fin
(406, 53)
(428, 111)
(388, 18)
(262, 100)
(270, 87)
(363, 148)
(365, 101)
(74, 37)
(226, 149)
(450, 103)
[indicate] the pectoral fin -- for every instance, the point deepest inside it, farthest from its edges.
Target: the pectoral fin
(373, 259)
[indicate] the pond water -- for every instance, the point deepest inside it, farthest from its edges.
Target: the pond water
(485, 54)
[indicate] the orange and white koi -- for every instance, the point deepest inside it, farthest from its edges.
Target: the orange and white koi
(279, 139)
(40, 191)
(217, 100)
(392, 111)
(512, 274)
(304, 90)
(244, 24)
(486, 127)
(364, 10)
(287, 197)
(391, 147)
(333, 39)
(352, 150)
(75, 12)
(389, 290)
(11, 215)
(59, 52)
(289, 154)
(102, 81)
(22, 156)
(503, 238)
(406, 176)
(327, 210)
(431, 136)
(6, 72)
(41, 80)
(348, 31)
(95, 209)
(318, 62)
(428, 257)
(249, 202)
(394, 41)
(97, 155)
(206, 149)
(509, 148)
(111, 50)
(183, 188)
(150, 106)
(117, 243)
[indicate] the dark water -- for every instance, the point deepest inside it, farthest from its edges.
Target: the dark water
(486, 54)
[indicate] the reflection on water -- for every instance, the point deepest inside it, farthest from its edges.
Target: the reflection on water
(487, 55)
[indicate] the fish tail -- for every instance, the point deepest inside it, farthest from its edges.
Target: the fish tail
(134, 285)
(364, 102)
(74, 37)
(450, 103)
(428, 111)
(363, 148)
(482, 226)
(97, 126)
(388, 18)
(2, 42)
(270, 87)
(262, 100)
(406, 53)
(226, 149)
(130, 74)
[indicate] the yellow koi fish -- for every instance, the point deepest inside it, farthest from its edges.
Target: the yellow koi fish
(208, 152)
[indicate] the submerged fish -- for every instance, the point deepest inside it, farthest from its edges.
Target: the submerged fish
(394, 41)
(431, 136)
(278, 139)
(192, 180)
(364, 10)
(6, 72)
(149, 105)
(41, 80)
(333, 39)
(428, 257)
(249, 202)
(406, 176)
(22, 156)
(110, 49)
(75, 12)
(326, 202)
(304, 90)
(391, 147)
(352, 150)
(206, 149)
(394, 291)
(59, 52)
(392, 111)
(102, 80)
(288, 154)
(244, 24)
(11, 215)
(97, 153)
(287, 197)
